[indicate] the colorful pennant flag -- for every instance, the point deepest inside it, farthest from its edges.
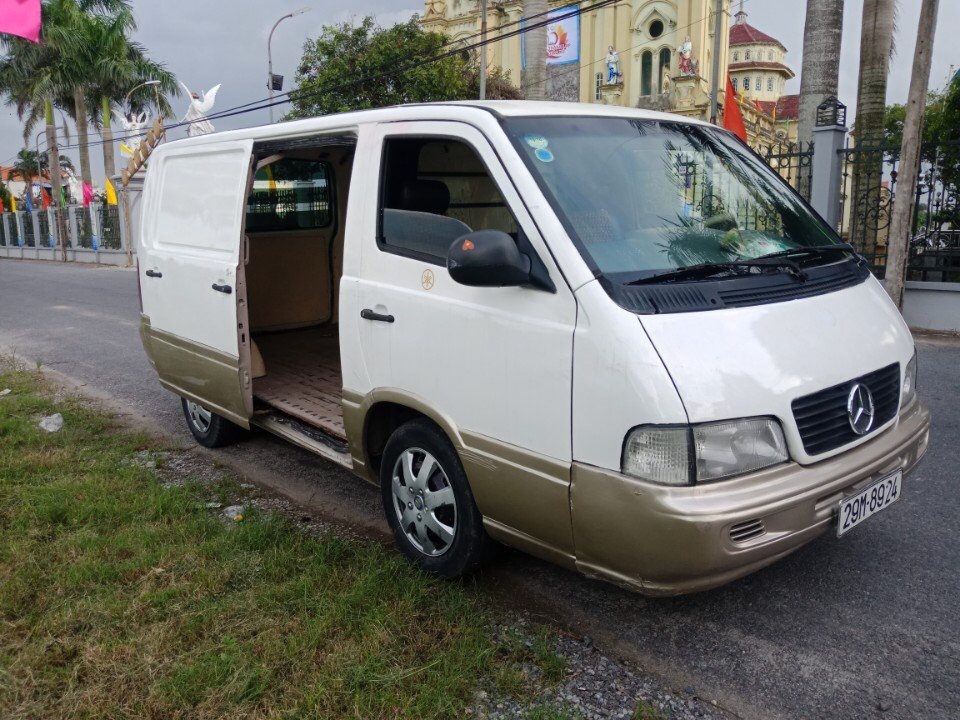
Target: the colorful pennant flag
(21, 18)
(111, 192)
(13, 204)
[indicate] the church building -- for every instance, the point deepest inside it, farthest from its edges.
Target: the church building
(654, 54)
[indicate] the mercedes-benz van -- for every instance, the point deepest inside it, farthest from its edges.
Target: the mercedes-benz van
(612, 338)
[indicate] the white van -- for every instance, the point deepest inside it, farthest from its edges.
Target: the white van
(614, 339)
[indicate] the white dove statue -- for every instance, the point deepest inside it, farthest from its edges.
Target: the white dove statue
(200, 104)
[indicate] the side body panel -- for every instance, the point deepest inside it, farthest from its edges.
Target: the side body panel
(190, 243)
(497, 361)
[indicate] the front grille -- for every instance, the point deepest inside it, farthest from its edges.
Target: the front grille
(822, 417)
(747, 530)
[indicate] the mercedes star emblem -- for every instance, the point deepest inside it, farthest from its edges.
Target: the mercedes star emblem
(860, 409)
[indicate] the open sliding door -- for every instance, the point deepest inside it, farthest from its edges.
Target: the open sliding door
(192, 277)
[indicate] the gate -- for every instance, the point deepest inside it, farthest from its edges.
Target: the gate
(869, 190)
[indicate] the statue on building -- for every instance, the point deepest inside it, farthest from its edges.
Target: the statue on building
(133, 126)
(688, 64)
(435, 8)
(613, 66)
(200, 104)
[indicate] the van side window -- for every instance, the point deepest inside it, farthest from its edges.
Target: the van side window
(433, 191)
(290, 194)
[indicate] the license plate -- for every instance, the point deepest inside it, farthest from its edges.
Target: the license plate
(869, 501)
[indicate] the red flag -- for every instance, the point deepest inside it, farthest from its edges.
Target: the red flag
(732, 117)
(20, 17)
(45, 198)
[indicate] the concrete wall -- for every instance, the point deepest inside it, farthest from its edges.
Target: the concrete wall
(932, 306)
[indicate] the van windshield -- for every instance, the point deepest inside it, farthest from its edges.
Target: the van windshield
(641, 198)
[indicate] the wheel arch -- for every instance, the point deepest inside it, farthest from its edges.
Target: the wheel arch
(370, 420)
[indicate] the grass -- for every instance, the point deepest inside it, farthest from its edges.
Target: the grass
(120, 597)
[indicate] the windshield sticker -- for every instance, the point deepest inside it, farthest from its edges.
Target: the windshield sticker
(537, 142)
(543, 155)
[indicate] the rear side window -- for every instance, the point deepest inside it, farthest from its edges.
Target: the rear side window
(290, 194)
(433, 191)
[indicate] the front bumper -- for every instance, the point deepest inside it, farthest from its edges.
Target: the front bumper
(670, 540)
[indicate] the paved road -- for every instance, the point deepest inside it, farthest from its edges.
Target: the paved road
(860, 628)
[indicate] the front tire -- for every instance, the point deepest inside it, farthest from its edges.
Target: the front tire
(208, 428)
(428, 503)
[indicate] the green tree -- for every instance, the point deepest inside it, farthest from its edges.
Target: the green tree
(27, 164)
(118, 66)
(85, 55)
(356, 67)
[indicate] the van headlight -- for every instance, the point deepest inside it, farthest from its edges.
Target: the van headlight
(909, 390)
(685, 455)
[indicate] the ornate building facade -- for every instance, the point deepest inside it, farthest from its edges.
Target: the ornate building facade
(655, 54)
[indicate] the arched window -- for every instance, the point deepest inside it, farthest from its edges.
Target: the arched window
(746, 82)
(664, 68)
(733, 82)
(759, 83)
(746, 55)
(770, 84)
(736, 56)
(770, 56)
(646, 73)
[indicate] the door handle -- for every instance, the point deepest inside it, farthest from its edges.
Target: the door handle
(367, 314)
(225, 289)
(154, 273)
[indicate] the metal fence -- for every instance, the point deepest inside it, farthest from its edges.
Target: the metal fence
(869, 179)
(96, 227)
(109, 222)
(794, 163)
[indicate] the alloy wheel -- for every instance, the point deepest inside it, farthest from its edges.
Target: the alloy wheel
(424, 502)
(199, 416)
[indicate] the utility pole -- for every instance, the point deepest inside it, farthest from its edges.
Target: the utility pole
(715, 90)
(535, 51)
(483, 49)
(901, 222)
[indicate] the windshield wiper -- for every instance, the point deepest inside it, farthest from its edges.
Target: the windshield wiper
(814, 250)
(706, 270)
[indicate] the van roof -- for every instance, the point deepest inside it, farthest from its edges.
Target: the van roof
(474, 111)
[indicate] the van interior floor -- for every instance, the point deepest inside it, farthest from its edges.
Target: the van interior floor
(303, 376)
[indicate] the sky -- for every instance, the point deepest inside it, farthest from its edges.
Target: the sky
(205, 42)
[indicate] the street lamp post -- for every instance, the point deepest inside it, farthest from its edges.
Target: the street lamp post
(301, 11)
(36, 142)
(126, 100)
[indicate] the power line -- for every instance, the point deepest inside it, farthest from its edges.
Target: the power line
(256, 105)
(293, 95)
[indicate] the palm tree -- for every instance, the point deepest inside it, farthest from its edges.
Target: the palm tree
(822, 33)
(27, 165)
(32, 78)
(876, 47)
(120, 66)
(535, 51)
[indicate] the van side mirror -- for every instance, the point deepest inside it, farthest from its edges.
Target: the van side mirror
(487, 258)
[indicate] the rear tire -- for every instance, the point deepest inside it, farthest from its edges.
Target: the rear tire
(428, 502)
(208, 428)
